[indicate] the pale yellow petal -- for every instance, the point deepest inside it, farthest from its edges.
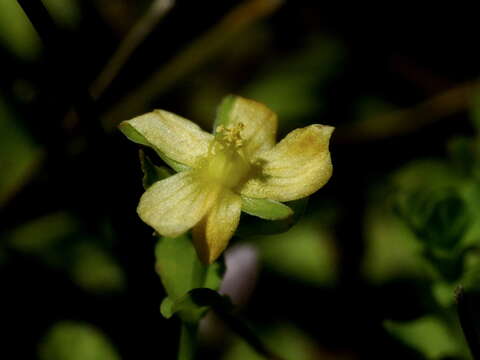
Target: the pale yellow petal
(211, 235)
(296, 167)
(174, 205)
(260, 130)
(176, 137)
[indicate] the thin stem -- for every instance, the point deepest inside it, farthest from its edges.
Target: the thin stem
(403, 121)
(135, 36)
(74, 89)
(188, 342)
(243, 330)
(194, 55)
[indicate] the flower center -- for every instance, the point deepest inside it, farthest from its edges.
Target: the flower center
(226, 164)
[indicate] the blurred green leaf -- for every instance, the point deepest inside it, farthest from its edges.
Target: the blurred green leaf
(428, 335)
(449, 264)
(41, 234)
(465, 155)
(17, 33)
(76, 341)
(391, 248)
(438, 218)
(306, 253)
(471, 275)
(289, 342)
(265, 208)
(66, 13)
(151, 172)
(429, 174)
(19, 156)
(95, 270)
(289, 86)
(57, 240)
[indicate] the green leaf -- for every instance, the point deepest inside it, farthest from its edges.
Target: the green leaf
(251, 226)
(180, 271)
(223, 111)
(95, 270)
(305, 253)
(438, 218)
(464, 154)
(41, 235)
(76, 341)
(187, 307)
(400, 256)
(133, 135)
(16, 31)
(428, 335)
(57, 240)
(178, 266)
(20, 156)
(151, 172)
(166, 308)
(265, 208)
(66, 13)
(287, 340)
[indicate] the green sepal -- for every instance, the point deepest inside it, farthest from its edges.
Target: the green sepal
(265, 208)
(151, 172)
(180, 271)
(251, 226)
(223, 111)
(178, 266)
(133, 135)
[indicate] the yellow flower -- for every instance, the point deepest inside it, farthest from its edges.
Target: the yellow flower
(239, 167)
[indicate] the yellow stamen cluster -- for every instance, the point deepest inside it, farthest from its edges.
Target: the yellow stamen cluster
(225, 163)
(231, 135)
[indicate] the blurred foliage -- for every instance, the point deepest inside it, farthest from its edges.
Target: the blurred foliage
(16, 31)
(76, 341)
(305, 253)
(293, 86)
(19, 155)
(428, 335)
(57, 240)
(291, 343)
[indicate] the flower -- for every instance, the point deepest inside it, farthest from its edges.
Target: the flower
(238, 167)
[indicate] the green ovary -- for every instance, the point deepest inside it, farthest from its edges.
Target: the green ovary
(225, 165)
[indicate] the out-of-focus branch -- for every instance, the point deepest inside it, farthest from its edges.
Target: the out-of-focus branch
(406, 120)
(190, 58)
(142, 28)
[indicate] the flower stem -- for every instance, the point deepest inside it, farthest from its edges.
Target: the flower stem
(188, 342)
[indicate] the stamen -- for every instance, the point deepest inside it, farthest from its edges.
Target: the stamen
(231, 135)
